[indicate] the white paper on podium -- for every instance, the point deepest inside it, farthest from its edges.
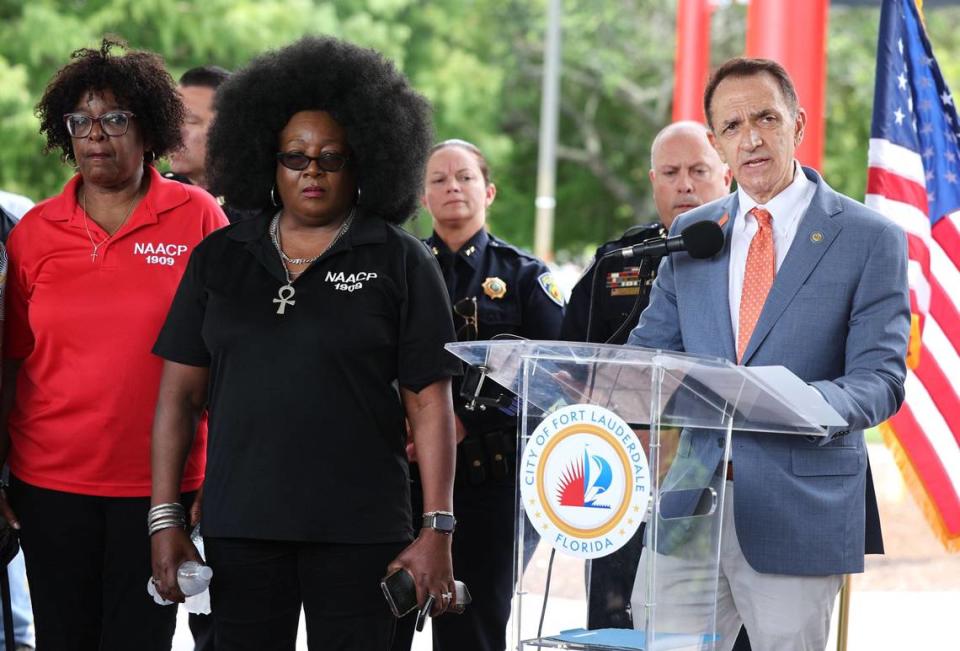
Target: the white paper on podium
(801, 396)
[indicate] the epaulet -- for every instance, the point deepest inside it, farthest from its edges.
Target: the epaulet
(499, 245)
(633, 235)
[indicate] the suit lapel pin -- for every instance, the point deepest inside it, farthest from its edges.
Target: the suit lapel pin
(470, 251)
(435, 250)
(816, 237)
(723, 220)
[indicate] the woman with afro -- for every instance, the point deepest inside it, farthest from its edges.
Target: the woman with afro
(92, 273)
(313, 335)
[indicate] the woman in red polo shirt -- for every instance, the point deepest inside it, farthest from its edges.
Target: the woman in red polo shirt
(92, 273)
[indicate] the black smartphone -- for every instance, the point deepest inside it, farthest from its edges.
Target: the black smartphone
(422, 615)
(400, 591)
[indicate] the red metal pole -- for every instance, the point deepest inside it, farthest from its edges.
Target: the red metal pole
(794, 34)
(692, 60)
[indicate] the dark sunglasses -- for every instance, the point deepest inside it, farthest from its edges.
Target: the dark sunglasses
(466, 308)
(327, 161)
(112, 123)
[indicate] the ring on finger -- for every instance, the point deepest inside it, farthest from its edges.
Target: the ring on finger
(446, 596)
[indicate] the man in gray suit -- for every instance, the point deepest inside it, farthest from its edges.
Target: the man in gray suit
(811, 280)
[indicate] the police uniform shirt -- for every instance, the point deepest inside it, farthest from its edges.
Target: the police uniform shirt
(307, 427)
(515, 295)
(624, 280)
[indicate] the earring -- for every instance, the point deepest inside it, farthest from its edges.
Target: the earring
(273, 195)
(357, 202)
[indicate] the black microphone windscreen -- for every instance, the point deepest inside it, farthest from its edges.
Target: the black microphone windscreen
(703, 239)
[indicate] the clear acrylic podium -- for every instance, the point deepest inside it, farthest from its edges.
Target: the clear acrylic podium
(683, 411)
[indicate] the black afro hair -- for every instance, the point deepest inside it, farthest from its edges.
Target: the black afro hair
(387, 124)
(138, 80)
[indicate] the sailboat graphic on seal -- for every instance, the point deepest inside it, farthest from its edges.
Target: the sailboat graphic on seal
(584, 481)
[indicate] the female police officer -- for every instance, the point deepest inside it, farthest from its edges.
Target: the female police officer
(495, 289)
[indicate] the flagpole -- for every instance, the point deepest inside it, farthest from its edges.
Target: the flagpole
(843, 617)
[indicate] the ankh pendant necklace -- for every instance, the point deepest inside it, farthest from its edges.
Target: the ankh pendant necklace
(286, 292)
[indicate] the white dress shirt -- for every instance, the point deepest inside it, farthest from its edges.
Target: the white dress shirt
(786, 210)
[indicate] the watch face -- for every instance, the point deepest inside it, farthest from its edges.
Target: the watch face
(443, 522)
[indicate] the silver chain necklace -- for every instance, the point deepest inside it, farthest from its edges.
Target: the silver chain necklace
(286, 292)
(86, 216)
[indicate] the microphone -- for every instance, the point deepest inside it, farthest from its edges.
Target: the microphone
(701, 239)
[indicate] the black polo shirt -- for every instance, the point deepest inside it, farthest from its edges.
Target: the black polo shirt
(307, 429)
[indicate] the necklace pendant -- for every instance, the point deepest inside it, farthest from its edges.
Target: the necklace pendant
(285, 293)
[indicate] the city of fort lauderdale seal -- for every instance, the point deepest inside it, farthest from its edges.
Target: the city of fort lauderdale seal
(584, 481)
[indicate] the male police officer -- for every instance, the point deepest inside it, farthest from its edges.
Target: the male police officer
(198, 87)
(685, 172)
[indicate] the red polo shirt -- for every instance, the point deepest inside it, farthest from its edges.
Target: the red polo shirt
(87, 388)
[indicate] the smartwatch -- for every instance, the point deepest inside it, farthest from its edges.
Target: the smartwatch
(440, 521)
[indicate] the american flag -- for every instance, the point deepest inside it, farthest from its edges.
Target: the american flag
(914, 178)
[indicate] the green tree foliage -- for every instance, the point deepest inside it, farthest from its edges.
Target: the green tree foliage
(480, 64)
(37, 38)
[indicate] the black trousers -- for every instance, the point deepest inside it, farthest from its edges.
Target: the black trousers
(201, 627)
(259, 586)
(611, 585)
(483, 559)
(88, 562)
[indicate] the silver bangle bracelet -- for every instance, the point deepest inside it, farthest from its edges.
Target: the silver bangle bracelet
(164, 516)
(166, 524)
(172, 518)
(171, 506)
(161, 510)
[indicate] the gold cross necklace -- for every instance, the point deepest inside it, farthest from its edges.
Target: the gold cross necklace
(86, 216)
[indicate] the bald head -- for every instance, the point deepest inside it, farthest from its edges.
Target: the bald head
(685, 170)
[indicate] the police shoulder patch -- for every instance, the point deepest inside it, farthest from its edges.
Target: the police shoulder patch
(550, 288)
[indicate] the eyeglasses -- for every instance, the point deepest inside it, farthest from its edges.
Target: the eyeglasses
(329, 161)
(112, 123)
(466, 308)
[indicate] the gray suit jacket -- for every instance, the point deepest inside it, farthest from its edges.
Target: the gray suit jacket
(838, 316)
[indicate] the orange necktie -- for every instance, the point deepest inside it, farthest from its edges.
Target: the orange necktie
(757, 278)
